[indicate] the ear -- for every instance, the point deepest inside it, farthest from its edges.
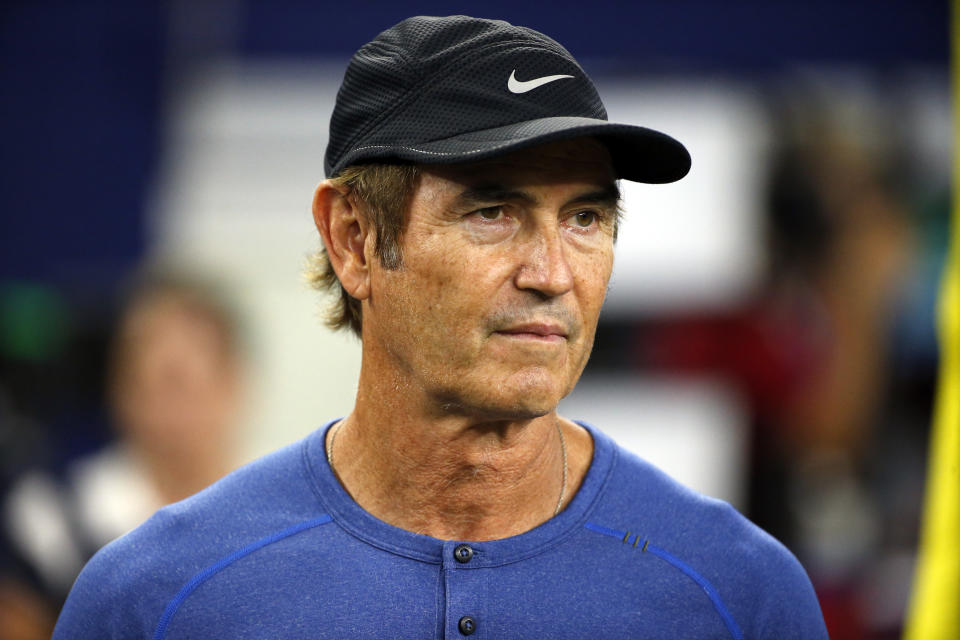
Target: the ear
(344, 233)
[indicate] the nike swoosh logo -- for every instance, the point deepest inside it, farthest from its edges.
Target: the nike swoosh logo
(522, 86)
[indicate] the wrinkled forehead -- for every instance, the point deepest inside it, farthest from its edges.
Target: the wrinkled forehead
(576, 160)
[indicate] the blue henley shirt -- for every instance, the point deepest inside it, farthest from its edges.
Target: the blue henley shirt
(278, 549)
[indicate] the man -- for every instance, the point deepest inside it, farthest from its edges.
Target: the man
(468, 222)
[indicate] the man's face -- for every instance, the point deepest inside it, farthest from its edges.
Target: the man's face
(505, 268)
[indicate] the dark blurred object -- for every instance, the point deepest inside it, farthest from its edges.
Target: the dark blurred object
(52, 368)
(838, 472)
(838, 469)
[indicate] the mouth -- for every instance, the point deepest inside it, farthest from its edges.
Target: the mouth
(544, 332)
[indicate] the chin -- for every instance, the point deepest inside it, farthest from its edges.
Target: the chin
(530, 405)
(512, 401)
(506, 412)
(505, 402)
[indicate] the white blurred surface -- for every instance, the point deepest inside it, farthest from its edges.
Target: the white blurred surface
(245, 154)
(696, 243)
(695, 430)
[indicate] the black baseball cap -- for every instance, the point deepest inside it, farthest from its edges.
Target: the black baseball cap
(459, 89)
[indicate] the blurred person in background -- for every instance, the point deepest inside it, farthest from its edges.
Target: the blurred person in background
(174, 388)
(849, 434)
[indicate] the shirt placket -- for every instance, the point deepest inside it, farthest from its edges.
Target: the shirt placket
(465, 612)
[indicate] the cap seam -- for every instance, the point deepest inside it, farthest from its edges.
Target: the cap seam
(385, 46)
(393, 49)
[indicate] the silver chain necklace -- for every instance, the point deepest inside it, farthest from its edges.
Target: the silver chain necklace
(563, 487)
(563, 449)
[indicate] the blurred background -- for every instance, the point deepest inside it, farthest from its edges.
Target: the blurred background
(768, 337)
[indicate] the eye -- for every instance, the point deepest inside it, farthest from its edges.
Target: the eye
(490, 213)
(585, 219)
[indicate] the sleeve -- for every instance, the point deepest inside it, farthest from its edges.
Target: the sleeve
(99, 606)
(122, 591)
(789, 608)
(766, 588)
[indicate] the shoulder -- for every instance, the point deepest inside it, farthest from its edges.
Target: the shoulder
(123, 590)
(750, 576)
(639, 491)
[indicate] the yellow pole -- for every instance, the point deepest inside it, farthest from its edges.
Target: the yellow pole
(934, 612)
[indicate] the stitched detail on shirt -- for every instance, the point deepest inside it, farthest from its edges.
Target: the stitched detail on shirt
(604, 530)
(704, 584)
(677, 563)
(225, 562)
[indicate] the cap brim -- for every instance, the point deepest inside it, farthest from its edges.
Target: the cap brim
(639, 154)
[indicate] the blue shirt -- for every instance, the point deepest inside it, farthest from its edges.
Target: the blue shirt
(278, 549)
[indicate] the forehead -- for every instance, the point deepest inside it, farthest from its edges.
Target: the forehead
(581, 160)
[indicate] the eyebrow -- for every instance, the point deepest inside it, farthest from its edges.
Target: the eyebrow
(478, 195)
(608, 196)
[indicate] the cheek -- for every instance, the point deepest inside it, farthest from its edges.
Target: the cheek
(420, 298)
(457, 277)
(594, 277)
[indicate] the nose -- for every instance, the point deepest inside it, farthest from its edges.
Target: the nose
(545, 269)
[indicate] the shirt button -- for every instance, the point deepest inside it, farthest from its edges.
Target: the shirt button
(467, 625)
(463, 553)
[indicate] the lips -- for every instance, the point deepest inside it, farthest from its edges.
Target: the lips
(536, 331)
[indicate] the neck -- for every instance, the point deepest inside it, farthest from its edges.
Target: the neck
(453, 476)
